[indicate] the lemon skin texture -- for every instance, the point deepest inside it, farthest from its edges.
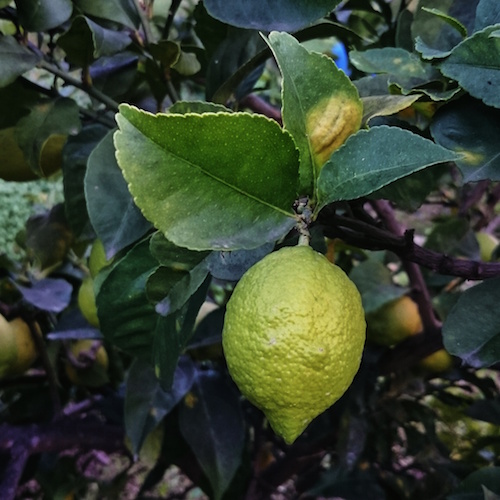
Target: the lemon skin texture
(394, 322)
(293, 337)
(17, 347)
(97, 258)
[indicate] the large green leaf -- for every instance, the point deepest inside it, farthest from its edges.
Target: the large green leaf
(43, 15)
(211, 421)
(472, 329)
(15, 59)
(320, 117)
(146, 403)
(86, 41)
(127, 318)
(111, 209)
(469, 127)
(217, 181)
(475, 65)
(267, 15)
(118, 11)
(373, 158)
(487, 14)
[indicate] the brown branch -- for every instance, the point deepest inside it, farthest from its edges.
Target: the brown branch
(370, 237)
(259, 105)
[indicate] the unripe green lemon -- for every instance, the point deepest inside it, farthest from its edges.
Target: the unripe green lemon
(95, 359)
(86, 301)
(97, 258)
(293, 336)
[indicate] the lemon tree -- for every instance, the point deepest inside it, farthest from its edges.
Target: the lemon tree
(247, 188)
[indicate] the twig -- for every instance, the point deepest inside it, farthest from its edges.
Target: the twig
(170, 18)
(259, 105)
(148, 35)
(111, 104)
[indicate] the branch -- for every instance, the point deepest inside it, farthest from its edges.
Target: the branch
(370, 237)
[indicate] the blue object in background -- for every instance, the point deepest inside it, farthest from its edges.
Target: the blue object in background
(341, 58)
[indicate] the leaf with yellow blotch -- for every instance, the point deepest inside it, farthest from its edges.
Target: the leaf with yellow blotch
(321, 106)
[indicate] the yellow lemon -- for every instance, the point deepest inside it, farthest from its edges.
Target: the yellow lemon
(437, 362)
(394, 321)
(17, 347)
(487, 245)
(86, 301)
(94, 361)
(293, 336)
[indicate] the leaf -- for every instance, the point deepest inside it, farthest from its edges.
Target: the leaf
(385, 105)
(232, 265)
(126, 317)
(112, 211)
(470, 128)
(86, 41)
(487, 14)
(59, 116)
(472, 329)
(75, 156)
(211, 421)
(15, 59)
(49, 294)
(43, 15)
(374, 158)
(472, 487)
(268, 15)
(146, 403)
(183, 107)
(320, 117)
(451, 21)
(374, 281)
(181, 273)
(475, 65)
(226, 193)
(119, 11)
(172, 335)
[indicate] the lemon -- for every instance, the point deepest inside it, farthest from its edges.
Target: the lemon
(437, 362)
(293, 336)
(394, 322)
(17, 347)
(86, 301)
(487, 245)
(97, 258)
(95, 361)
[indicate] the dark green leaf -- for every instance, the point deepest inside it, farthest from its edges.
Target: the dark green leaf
(472, 487)
(172, 335)
(43, 15)
(112, 211)
(469, 127)
(451, 21)
(86, 41)
(355, 170)
(118, 11)
(126, 316)
(475, 64)
(320, 117)
(75, 155)
(15, 59)
(211, 421)
(472, 329)
(226, 193)
(282, 15)
(487, 14)
(146, 403)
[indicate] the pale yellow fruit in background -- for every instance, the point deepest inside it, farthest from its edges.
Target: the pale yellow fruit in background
(394, 322)
(96, 361)
(17, 347)
(293, 336)
(86, 301)
(97, 258)
(437, 362)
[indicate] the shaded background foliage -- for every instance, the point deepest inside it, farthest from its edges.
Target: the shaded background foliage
(166, 420)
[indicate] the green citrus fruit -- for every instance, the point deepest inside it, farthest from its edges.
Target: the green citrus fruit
(17, 348)
(94, 360)
(487, 245)
(394, 322)
(293, 336)
(97, 258)
(86, 301)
